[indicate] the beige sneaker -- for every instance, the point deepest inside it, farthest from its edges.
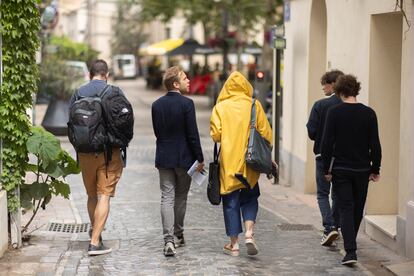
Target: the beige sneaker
(252, 248)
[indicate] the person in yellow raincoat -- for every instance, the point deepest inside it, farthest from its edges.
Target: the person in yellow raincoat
(229, 126)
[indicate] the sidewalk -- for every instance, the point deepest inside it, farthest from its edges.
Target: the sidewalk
(303, 209)
(134, 229)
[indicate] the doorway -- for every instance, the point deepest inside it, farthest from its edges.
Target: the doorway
(384, 98)
(316, 68)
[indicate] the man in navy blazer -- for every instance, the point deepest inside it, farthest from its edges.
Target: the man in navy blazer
(178, 147)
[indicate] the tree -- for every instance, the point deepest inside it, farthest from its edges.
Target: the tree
(217, 17)
(128, 30)
(274, 16)
(67, 49)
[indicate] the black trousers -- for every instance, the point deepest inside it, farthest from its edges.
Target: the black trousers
(351, 191)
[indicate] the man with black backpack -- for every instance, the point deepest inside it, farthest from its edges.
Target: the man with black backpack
(100, 127)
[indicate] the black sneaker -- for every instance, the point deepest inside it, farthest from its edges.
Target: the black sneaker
(169, 249)
(94, 250)
(329, 236)
(350, 258)
(179, 241)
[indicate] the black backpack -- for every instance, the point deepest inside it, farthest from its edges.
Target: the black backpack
(119, 117)
(87, 130)
(98, 123)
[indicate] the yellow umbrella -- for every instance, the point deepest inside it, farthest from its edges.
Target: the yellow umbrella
(162, 47)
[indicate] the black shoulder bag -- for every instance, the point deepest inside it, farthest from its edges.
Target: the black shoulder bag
(213, 187)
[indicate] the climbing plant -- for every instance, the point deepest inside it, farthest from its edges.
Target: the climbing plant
(19, 28)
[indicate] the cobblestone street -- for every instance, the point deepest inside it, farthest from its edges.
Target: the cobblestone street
(134, 226)
(134, 232)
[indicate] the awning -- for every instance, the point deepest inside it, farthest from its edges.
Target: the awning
(191, 47)
(162, 47)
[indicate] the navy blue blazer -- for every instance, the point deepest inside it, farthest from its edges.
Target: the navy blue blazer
(175, 126)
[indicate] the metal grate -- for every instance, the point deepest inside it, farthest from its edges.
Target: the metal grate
(68, 227)
(295, 227)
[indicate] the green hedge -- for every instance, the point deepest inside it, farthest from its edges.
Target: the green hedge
(20, 23)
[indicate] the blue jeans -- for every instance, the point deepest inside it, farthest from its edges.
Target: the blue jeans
(244, 201)
(330, 216)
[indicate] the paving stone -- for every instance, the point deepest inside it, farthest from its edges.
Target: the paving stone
(134, 229)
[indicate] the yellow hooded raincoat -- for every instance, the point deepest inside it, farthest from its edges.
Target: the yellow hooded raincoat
(229, 125)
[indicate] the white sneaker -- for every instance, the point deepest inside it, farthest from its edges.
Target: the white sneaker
(169, 249)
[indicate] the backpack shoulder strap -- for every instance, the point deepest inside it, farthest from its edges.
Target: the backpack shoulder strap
(104, 91)
(76, 95)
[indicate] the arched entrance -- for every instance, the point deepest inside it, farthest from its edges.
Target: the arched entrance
(316, 68)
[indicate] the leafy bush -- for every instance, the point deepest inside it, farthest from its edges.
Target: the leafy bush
(67, 49)
(57, 79)
(52, 164)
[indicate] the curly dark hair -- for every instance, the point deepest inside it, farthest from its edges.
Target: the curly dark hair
(347, 86)
(331, 76)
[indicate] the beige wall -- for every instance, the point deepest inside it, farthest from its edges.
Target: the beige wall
(318, 65)
(384, 97)
(406, 162)
(348, 49)
(295, 95)
(103, 13)
(3, 223)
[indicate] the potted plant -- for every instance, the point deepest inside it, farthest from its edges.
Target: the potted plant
(59, 79)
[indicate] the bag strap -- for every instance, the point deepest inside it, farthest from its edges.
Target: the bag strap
(216, 154)
(76, 96)
(104, 91)
(253, 114)
(252, 124)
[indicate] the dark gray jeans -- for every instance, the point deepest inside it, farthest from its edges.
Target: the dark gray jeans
(174, 185)
(330, 215)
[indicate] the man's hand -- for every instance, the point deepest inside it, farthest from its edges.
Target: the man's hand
(328, 177)
(200, 167)
(374, 177)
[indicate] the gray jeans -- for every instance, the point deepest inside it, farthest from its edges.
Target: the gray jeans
(174, 185)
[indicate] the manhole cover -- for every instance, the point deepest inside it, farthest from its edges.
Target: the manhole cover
(68, 227)
(295, 227)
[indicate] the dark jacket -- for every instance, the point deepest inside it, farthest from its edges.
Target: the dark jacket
(175, 126)
(316, 122)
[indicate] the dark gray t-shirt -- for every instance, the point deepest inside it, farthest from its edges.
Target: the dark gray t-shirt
(90, 89)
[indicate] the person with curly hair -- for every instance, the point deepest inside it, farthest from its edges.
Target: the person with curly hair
(351, 154)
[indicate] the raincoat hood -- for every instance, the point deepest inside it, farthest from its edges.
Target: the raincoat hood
(230, 125)
(235, 86)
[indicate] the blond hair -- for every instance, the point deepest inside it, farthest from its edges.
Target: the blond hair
(171, 75)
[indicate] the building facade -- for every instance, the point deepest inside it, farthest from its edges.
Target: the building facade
(373, 40)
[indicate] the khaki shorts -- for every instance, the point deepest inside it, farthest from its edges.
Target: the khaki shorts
(94, 172)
